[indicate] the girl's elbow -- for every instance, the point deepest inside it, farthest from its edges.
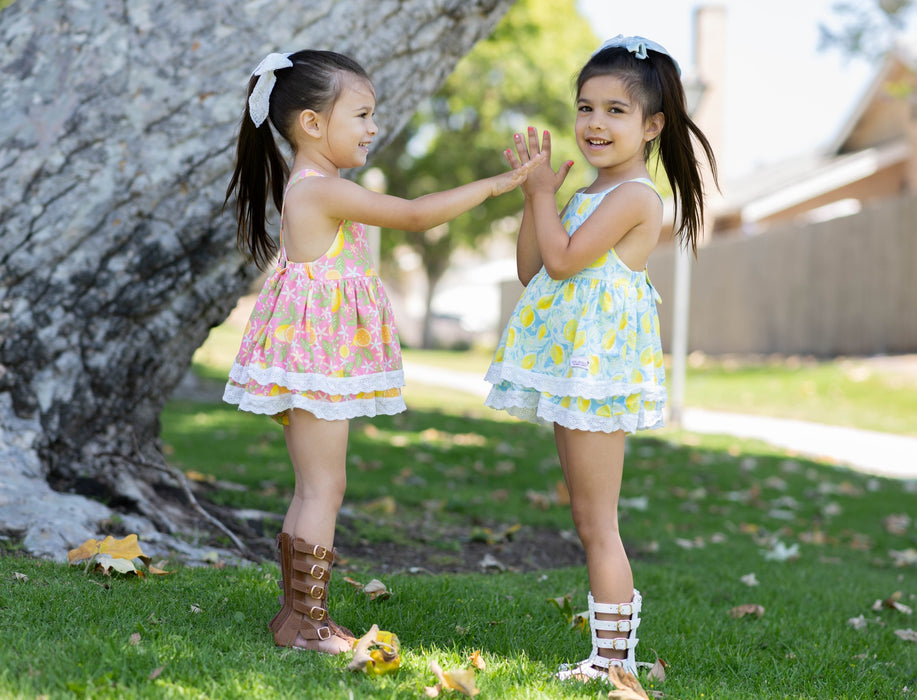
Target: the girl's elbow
(557, 272)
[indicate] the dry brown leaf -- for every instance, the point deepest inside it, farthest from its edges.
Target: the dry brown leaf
(907, 635)
(893, 602)
(461, 679)
(376, 589)
(897, 523)
(477, 660)
(361, 658)
(748, 609)
(154, 674)
(135, 639)
(22, 578)
(626, 684)
(432, 691)
(657, 672)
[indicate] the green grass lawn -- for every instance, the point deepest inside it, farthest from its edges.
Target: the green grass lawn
(699, 516)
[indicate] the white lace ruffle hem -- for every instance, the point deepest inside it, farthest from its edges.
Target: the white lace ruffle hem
(534, 408)
(342, 410)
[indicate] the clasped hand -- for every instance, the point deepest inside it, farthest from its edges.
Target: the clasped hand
(541, 178)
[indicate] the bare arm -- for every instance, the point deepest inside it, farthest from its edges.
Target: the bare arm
(336, 198)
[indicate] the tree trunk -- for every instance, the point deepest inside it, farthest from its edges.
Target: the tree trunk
(117, 129)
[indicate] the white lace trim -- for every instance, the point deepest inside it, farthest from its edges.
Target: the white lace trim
(530, 406)
(573, 386)
(296, 381)
(343, 410)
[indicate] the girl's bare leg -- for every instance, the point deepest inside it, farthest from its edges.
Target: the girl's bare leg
(593, 463)
(318, 451)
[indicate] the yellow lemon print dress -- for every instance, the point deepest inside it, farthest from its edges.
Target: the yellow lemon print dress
(321, 336)
(583, 352)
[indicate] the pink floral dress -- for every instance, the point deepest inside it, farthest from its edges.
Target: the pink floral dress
(321, 336)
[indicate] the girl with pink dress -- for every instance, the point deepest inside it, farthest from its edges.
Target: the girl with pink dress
(321, 346)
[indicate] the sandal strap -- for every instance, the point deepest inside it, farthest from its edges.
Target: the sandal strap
(632, 608)
(313, 550)
(615, 643)
(616, 625)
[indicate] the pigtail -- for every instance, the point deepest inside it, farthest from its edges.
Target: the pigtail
(676, 149)
(260, 171)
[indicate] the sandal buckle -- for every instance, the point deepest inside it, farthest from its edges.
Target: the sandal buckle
(321, 572)
(326, 635)
(317, 614)
(318, 548)
(626, 609)
(317, 592)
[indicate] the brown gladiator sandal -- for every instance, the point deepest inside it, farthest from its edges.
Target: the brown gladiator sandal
(307, 616)
(285, 550)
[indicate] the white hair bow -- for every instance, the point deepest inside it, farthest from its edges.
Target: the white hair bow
(638, 46)
(259, 102)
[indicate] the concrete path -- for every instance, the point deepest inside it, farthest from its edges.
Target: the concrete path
(882, 454)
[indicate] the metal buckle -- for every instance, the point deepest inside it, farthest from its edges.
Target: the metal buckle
(320, 616)
(319, 595)
(321, 572)
(326, 630)
(626, 609)
(315, 552)
(619, 644)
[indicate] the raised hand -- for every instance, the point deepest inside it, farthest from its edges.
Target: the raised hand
(543, 177)
(518, 175)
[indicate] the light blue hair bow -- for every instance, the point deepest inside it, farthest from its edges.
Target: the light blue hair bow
(638, 46)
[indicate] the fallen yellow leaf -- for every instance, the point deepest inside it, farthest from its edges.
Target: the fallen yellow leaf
(376, 652)
(461, 679)
(126, 548)
(477, 661)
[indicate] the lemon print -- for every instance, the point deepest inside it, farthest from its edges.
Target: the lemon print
(583, 404)
(579, 339)
(386, 333)
(624, 320)
(332, 275)
(278, 390)
(606, 301)
(339, 372)
(545, 302)
(636, 377)
(311, 333)
(650, 405)
(568, 291)
(336, 301)
(362, 338)
(284, 332)
(608, 340)
(594, 364)
(528, 361)
(601, 261)
(639, 293)
(337, 246)
(248, 327)
(542, 329)
(390, 393)
(604, 411)
(498, 356)
(646, 357)
(582, 207)
(632, 402)
(565, 402)
(511, 337)
(570, 329)
(645, 324)
(526, 316)
(344, 352)
(557, 354)
(657, 358)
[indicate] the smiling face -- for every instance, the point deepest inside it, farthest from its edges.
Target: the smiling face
(349, 126)
(611, 129)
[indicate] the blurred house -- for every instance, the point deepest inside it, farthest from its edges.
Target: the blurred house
(872, 158)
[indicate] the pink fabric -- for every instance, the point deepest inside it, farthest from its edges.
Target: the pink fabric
(321, 336)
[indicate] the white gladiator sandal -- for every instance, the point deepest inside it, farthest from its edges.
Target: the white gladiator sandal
(596, 666)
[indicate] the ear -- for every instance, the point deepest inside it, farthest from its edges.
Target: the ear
(310, 122)
(654, 126)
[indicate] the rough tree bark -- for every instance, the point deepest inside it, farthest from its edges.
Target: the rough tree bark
(117, 123)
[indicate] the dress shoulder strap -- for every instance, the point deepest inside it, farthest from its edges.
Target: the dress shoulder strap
(649, 183)
(294, 178)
